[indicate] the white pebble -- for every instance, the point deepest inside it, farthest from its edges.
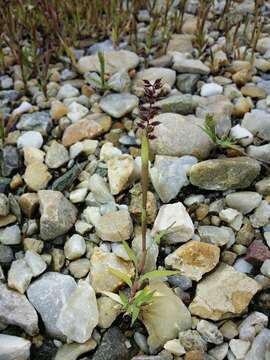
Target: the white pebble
(30, 139)
(211, 89)
(78, 195)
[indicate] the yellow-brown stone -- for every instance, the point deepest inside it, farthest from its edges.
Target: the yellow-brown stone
(194, 259)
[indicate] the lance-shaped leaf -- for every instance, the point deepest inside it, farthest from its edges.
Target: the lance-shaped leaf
(122, 276)
(130, 252)
(113, 296)
(157, 273)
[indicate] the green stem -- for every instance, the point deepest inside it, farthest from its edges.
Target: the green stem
(144, 185)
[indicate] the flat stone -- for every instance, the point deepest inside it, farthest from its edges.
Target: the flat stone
(263, 186)
(183, 65)
(57, 214)
(101, 277)
(166, 309)
(19, 276)
(177, 136)
(260, 346)
(261, 153)
(169, 175)
(73, 351)
(223, 294)
(37, 176)
(48, 294)
(243, 201)
(108, 311)
(225, 174)
(120, 82)
(79, 315)
(258, 123)
(114, 61)
(194, 259)
(181, 43)
(14, 348)
(11, 235)
(56, 156)
(168, 76)
(67, 91)
(118, 105)
(253, 92)
(16, 310)
(87, 128)
(176, 221)
(121, 173)
(114, 226)
(38, 121)
(180, 104)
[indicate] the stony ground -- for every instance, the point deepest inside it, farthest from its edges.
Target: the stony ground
(70, 193)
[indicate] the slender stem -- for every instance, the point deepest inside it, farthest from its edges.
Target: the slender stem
(144, 184)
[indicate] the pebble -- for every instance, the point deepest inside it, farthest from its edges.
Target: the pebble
(14, 347)
(108, 311)
(265, 268)
(258, 123)
(243, 201)
(67, 91)
(35, 262)
(16, 310)
(114, 226)
(74, 350)
(19, 276)
(217, 298)
(239, 348)
(169, 175)
(248, 327)
(11, 235)
(175, 221)
(211, 89)
(37, 176)
(56, 156)
(39, 121)
(30, 139)
(174, 347)
(79, 268)
(79, 314)
(101, 278)
(76, 112)
(194, 259)
(75, 247)
(210, 332)
(118, 105)
(48, 294)
(213, 174)
(167, 309)
(78, 195)
(57, 214)
(4, 205)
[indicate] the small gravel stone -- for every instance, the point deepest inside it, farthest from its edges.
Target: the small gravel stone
(19, 275)
(11, 235)
(211, 89)
(210, 332)
(75, 247)
(30, 139)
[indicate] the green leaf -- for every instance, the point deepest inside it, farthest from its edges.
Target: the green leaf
(143, 297)
(158, 273)
(123, 298)
(113, 296)
(130, 252)
(120, 275)
(135, 314)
